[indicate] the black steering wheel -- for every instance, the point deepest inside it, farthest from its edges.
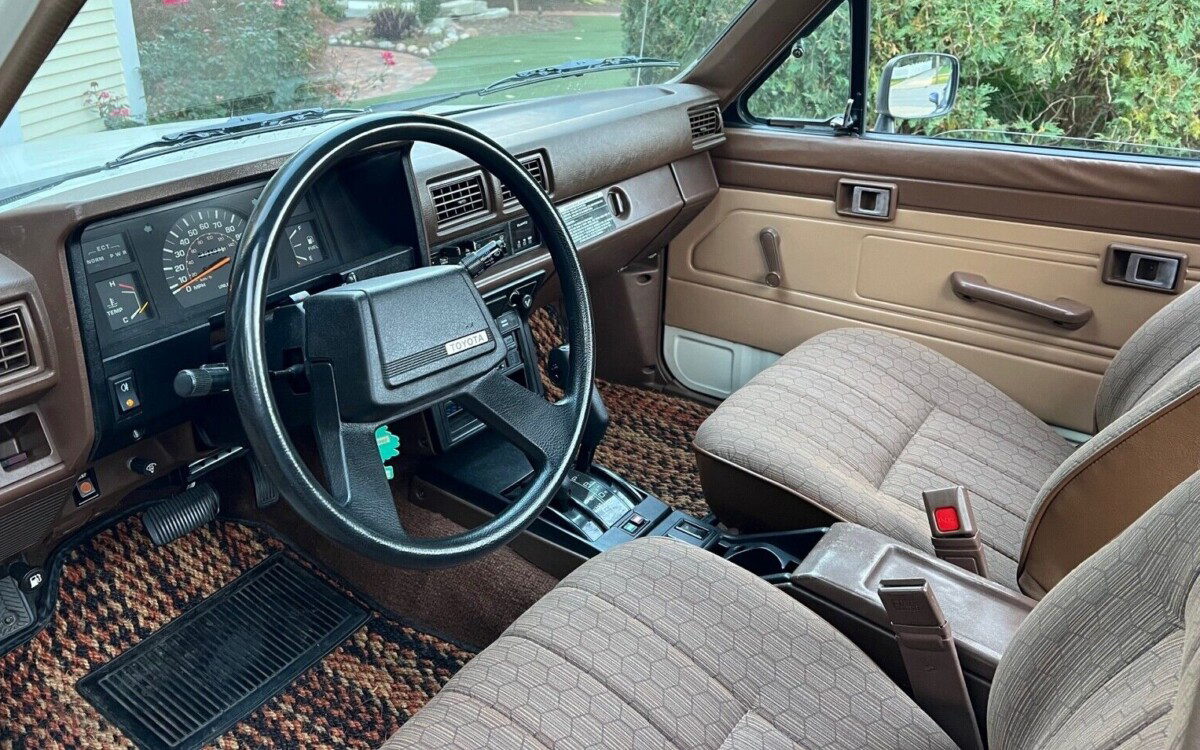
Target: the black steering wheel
(380, 350)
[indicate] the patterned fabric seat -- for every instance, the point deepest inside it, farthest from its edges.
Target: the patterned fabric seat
(658, 644)
(854, 424)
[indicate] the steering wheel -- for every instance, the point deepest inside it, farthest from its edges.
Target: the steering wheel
(382, 349)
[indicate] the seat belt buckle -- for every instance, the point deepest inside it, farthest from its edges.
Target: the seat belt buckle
(952, 528)
(931, 658)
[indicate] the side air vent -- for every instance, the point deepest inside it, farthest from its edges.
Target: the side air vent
(705, 122)
(459, 198)
(14, 346)
(536, 168)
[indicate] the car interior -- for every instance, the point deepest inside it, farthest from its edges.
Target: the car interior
(632, 416)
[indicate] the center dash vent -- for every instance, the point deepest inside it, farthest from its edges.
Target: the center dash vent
(536, 169)
(705, 122)
(14, 346)
(458, 198)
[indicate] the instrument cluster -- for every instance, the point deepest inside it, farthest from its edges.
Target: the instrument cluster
(169, 267)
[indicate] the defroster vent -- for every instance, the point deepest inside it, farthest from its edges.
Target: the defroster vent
(458, 198)
(14, 345)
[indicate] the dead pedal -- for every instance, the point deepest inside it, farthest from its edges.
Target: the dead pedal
(181, 514)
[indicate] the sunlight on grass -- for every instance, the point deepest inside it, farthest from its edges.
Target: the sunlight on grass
(479, 61)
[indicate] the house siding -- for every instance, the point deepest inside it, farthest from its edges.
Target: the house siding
(89, 50)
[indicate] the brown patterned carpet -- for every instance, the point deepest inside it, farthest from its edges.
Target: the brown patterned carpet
(117, 588)
(649, 438)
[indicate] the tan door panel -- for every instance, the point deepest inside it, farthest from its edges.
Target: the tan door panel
(838, 271)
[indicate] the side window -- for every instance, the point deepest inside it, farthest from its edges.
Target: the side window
(814, 83)
(1097, 75)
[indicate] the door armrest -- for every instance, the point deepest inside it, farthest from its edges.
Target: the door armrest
(849, 563)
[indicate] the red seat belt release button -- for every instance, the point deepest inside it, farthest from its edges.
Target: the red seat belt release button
(945, 519)
(952, 528)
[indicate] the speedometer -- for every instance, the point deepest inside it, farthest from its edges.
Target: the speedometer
(198, 254)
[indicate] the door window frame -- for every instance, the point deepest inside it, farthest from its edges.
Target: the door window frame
(737, 114)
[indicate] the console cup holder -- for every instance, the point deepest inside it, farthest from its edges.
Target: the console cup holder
(761, 561)
(773, 555)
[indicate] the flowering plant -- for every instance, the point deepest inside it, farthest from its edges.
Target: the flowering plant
(111, 109)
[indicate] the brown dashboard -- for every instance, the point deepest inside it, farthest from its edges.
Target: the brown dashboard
(108, 295)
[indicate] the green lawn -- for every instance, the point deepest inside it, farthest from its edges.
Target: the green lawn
(478, 61)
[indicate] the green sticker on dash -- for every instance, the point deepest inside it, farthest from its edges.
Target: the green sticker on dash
(389, 448)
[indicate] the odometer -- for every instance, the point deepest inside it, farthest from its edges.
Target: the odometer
(198, 254)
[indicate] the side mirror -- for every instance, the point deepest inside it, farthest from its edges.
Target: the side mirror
(918, 86)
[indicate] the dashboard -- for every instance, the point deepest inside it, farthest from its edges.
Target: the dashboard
(120, 279)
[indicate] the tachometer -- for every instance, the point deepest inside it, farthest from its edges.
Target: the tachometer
(198, 254)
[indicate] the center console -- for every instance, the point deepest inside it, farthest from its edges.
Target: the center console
(883, 595)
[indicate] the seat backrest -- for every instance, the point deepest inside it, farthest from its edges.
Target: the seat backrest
(1148, 409)
(1152, 352)
(1111, 657)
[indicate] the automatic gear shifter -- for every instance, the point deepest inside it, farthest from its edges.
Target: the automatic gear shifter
(589, 500)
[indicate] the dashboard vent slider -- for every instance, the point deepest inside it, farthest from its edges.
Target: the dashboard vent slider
(705, 124)
(536, 169)
(14, 346)
(458, 198)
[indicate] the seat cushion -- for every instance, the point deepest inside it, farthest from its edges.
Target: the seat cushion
(658, 644)
(859, 423)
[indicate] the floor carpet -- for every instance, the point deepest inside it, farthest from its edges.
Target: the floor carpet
(649, 438)
(116, 588)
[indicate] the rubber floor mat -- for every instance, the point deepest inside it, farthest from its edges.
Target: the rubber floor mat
(116, 590)
(222, 659)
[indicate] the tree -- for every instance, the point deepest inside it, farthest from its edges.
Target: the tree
(1121, 70)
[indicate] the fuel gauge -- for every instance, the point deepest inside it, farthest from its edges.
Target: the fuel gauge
(123, 302)
(306, 247)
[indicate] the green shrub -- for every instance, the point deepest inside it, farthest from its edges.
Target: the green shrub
(334, 10)
(427, 10)
(214, 58)
(673, 29)
(393, 22)
(1124, 70)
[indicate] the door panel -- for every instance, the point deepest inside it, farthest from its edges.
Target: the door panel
(840, 271)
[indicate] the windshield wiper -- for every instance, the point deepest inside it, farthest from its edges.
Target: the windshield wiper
(232, 128)
(534, 75)
(575, 68)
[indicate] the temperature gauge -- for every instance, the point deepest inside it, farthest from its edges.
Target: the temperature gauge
(123, 302)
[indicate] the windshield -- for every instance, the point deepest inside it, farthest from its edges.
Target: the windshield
(127, 72)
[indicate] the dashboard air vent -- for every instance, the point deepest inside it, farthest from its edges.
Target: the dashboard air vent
(458, 198)
(14, 346)
(705, 122)
(536, 169)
